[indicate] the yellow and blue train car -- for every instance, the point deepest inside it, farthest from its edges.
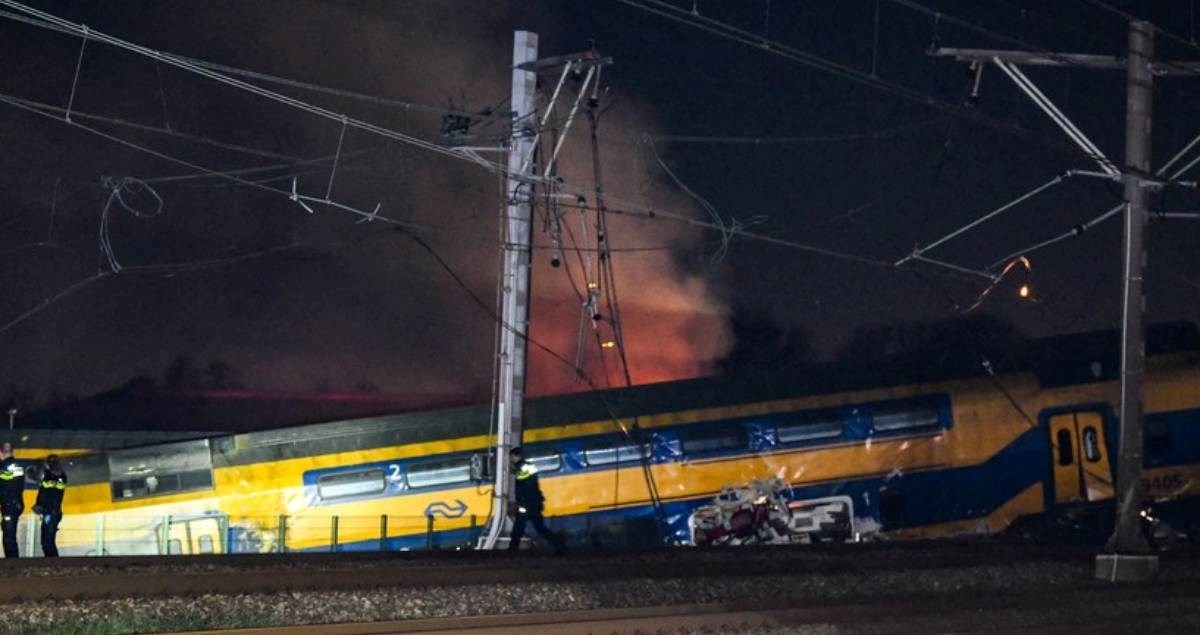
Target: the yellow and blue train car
(928, 458)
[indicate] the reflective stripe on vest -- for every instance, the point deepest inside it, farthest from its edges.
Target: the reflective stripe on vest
(527, 470)
(54, 485)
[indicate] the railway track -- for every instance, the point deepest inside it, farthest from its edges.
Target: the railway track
(858, 587)
(97, 578)
(1163, 608)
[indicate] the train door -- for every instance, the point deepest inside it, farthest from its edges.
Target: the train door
(193, 535)
(1082, 471)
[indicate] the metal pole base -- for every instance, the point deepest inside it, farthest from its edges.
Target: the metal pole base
(1120, 567)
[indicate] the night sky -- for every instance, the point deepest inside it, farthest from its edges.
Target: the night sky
(295, 300)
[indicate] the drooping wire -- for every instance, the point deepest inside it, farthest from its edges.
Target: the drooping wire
(69, 290)
(119, 191)
(994, 379)
(293, 195)
(1018, 261)
(608, 281)
(727, 229)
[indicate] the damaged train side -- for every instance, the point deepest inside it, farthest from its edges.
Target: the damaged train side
(677, 462)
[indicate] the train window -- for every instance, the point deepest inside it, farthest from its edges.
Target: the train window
(356, 483)
(889, 419)
(1158, 436)
(441, 472)
(162, 470)
(809, 428)
(694, 442)
(206, 544)
(546, 460)
(891, 508)
(606, 454)
(1066, 447)
(1091, 445)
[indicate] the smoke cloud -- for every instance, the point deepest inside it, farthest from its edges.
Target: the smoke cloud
(310, 300)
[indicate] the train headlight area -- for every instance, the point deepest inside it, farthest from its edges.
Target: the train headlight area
(822, 458)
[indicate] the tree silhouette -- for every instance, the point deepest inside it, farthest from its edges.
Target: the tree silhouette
(183, 373)
(955, 345)
(222, 375)
(761, 343)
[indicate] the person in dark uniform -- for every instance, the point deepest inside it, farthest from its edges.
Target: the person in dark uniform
(529, 505)
(12, 503)
(48, 506)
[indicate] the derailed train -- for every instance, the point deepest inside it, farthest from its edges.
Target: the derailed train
(850, 457)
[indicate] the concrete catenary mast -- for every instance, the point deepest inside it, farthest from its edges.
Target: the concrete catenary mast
(514, 280)
(516, 218)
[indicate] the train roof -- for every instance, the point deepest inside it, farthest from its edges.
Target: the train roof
(71, 441)
(1061, 360)
(1075, 359)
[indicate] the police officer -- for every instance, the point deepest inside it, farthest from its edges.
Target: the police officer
(48, 506)
(529, 505)
(12, 503)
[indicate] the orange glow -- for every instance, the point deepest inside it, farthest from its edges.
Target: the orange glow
(664, 342)
(1024, 291)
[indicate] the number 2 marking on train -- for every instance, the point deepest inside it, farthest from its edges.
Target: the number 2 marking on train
(393, 472)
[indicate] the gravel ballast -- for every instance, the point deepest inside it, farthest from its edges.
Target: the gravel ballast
(317, 607)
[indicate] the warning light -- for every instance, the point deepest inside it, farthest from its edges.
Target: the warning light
(608, 344)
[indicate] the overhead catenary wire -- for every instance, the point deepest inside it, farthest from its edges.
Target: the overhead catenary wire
(50, 20)
(294, 196)
(118, 188)
(499, 320)
(291, 161)
(942, 16)
(1191, 164)
(232, 176)
(1014, 41)
(69, 290)
(994, 379)
(394, 135)
(1179, 155)
(1025, 11)
(608, 281)
(1113, 211)
(725, 228)
(716, 27)
(651, 213)
(790, 140)
(283, 81)
(1130, 18)
(77, 114)
(918, 251)
(153, 269)
(1042, 101)
(127, 186)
